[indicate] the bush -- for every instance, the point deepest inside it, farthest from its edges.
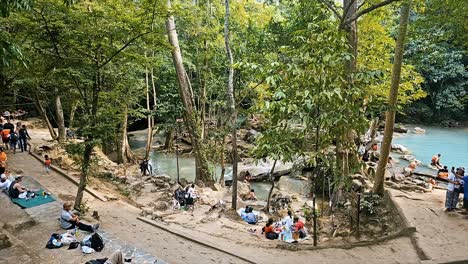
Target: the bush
(369, 202)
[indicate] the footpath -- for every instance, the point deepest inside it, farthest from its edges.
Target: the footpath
(439, 237)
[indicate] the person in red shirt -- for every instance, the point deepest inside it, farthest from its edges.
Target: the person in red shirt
(269, 230)
(47, 163)
(299, 227)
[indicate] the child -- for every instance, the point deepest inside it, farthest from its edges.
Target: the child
(47, 163)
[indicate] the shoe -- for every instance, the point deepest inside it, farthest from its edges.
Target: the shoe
(96, 227)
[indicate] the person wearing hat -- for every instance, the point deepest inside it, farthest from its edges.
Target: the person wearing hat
(16, 190)
(4, 182)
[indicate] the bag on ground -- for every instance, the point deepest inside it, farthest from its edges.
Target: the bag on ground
(54, 241)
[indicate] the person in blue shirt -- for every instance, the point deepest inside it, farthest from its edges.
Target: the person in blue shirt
(250, 217)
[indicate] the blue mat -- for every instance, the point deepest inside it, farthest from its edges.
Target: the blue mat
(39, 199)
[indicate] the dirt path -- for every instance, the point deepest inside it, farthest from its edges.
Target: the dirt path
(442, 236)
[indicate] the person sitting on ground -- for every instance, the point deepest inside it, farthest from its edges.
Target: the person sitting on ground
(252, 195)
(374, 156)
(458, 188)
(390, 162)
(116, 258)
(269, 231)
(443, 173)
(251, 218)
(16, 190)
(299, 227)
(4, 182)
(69, 220)
(435, 161)
(288, 220)
(243, 214)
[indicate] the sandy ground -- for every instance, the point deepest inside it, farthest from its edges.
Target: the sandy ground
(119, 218)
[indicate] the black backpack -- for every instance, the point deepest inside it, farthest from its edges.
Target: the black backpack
(51, 245)
(97, 243)
(13, 137)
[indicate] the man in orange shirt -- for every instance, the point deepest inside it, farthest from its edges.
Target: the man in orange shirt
(3, 160)
(6, 137)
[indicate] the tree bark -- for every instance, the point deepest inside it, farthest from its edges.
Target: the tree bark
(125, 154)
(89, 141)
(223, 163)
(43, 113)
(149, 135)
(72, 115)
(60, 118)
(185, 91)
(392, 100)
(232, 104)
(169, 143)
(272, 181)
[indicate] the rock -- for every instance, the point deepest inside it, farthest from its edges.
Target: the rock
(356, 185)
(159, 183)
(388, 175)
(392, 185)
(217, 187)
(359, 177)
(408, 157)
(400, 148)
(156, 215)
(243, 190)
(161, 206)
(280, 200)
(400, 129)
(251, 135)
(146, 211)
(398, 177)
(4, 241)
(163, 177)
(418, 130)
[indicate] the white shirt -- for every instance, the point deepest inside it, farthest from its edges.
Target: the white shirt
(5, 185)
(452, 186)
(288, 222)
(191, 191)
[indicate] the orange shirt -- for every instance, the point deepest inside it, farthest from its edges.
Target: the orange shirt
(3, 159)
(47, 162)
(5, 133)
(269, 229)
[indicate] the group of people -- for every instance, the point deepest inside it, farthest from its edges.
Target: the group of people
(14, 136)
(289, 228)
(14, 188)
(456, 185)
(185, 197)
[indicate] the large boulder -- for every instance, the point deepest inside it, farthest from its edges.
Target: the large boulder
(398, 177)
(243, 189)
(163, 177)
(408, 157)
(418, 130)
(251, 135)
(161, 205)
(400, 148)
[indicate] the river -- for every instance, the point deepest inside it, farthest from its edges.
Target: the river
(451, 143)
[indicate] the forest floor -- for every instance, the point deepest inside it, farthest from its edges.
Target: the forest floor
(440, 237)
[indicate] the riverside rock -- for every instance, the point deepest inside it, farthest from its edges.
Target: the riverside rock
(400, 148)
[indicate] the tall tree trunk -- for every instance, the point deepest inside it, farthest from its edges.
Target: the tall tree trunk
(89, 141)
(231, 104)
(149, 136)
(392, 100)
(43, 113)
(223, 163)
(272, 181)
(72, 115)
(169, 143)
(60, 119)
(185, 91)
(125, 154)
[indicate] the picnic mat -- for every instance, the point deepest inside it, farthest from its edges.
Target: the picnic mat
(39, 199)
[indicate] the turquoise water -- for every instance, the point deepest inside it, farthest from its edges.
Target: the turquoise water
(452, 143)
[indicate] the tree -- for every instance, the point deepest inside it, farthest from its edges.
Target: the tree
(186, 94)
(231, 105)
(392, 100)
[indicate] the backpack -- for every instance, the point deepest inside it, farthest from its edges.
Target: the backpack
(13, 137)
(50, 244)
(97, 243)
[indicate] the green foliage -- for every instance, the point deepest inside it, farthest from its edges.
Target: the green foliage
(369, 202)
